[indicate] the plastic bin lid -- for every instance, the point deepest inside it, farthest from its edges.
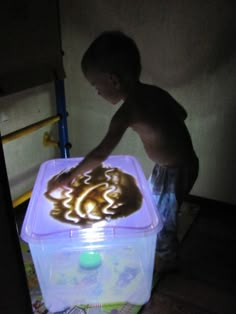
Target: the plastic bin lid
(45, 221)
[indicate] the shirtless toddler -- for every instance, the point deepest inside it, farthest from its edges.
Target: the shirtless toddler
(112, 65)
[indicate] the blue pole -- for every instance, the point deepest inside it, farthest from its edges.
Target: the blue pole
(62, 124)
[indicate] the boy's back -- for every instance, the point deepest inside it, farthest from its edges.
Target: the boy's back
(159, 121)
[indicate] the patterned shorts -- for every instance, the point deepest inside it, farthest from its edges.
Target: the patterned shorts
(169, 187)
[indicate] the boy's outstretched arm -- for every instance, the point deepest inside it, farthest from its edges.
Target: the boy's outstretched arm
(100, 153)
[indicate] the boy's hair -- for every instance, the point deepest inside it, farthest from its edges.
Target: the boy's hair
(113, 52)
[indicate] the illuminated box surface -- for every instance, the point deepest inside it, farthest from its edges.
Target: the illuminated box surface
(94, 240)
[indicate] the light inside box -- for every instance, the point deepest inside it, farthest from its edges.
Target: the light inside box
(104, 193)
(94, 240)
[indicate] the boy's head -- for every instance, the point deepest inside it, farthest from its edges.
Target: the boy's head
(115, 54)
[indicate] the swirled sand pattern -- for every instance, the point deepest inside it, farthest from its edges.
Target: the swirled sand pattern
(102, 194)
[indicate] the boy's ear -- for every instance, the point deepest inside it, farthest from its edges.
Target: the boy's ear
(115, 81)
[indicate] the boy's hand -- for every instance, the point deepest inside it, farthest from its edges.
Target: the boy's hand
(63, 178)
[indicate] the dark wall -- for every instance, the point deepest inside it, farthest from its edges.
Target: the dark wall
(30, 51)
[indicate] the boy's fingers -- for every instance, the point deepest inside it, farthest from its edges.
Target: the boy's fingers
(63, 178)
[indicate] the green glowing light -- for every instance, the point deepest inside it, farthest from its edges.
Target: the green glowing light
(90, 259)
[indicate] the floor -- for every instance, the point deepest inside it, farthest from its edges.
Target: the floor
(205, 282)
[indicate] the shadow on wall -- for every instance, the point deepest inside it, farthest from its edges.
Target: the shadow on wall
(181, 42)
(178, 40)
(196, 37)
(228, 151)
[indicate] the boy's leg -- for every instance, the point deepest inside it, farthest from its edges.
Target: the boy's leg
(163, 187)
(167, 243)
(169, 186)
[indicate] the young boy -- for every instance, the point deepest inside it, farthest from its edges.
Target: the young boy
(112, 65)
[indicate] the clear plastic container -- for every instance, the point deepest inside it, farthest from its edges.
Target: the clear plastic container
(108, 260)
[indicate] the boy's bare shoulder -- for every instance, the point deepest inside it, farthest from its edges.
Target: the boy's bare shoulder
(153, 101)
(137, 106)
(144, 96)
(149, 106)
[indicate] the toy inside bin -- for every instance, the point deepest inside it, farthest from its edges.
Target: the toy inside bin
(94, 240)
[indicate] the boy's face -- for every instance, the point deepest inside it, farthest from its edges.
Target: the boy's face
(107, 86)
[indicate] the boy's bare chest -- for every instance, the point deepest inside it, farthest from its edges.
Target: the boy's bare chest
(147, 133)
